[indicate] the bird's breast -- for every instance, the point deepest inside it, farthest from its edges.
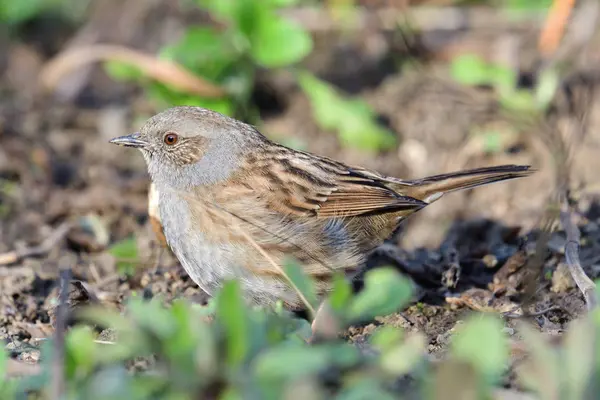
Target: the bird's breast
(187, 227)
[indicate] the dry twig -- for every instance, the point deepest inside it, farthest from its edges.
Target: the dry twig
(554, 27)
(280, 270)
(512, 314)
(584, 283)
(58, 377)
(48, 244)
(164, 71)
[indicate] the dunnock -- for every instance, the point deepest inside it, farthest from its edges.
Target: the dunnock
(234, 204)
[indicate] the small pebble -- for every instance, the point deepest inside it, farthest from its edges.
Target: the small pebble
(490, 260)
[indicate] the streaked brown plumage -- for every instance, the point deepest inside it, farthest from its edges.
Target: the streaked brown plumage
(224, 188)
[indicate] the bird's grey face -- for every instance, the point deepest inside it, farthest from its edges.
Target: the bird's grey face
(170, 142)
(182, 139)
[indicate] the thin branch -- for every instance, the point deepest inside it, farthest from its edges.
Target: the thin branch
(584, 283)
(555, 24)
(582, 22)
(103, 342)
(58, 367)
(164, 71)
(511, 314)
(48, 244)
(280, 270)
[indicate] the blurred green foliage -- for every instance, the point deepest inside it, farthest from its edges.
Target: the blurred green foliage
(354, 119)
(520, 103)
(526, 5)
(126, 255)
(14, 12)
(243, 352)
(252, 36)
(470, 69)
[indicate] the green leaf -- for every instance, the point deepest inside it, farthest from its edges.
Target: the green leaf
(386, 337)
(242, 17)
(301, 281)
(152, 317)
(341, 292)
(352, 119)
(203, 50)
(518, 100)
(364, 388)
(282, 3)
(224, 9)
(231, 393)
(480, 341)
(546, 89)
(302, 333)
(19, 11)
(206, 352)
(232, 315)
(80, 350)
(277, 42)
(106, 318)
(385, 292)
(121, 71)
(169, 98)
(126, 253)
(290, 362)
(8, 389)
(247, 19)
(3, 364)
(527, 5)
(402, 358)
(343, 355)
(501, 77)
(492, 141)
(181, 345)
(469, 69)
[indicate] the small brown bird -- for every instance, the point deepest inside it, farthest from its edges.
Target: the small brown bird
(234, 204)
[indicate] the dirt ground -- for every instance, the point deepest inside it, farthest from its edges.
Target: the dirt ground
(468, 251)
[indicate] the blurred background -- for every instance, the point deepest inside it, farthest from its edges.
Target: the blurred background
(408, 87)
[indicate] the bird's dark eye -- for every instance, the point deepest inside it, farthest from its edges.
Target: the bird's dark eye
(171, 138)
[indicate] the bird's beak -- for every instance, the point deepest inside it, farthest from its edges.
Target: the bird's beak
(132, 140)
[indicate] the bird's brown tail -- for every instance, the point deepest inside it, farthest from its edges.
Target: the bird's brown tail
(433, 187)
